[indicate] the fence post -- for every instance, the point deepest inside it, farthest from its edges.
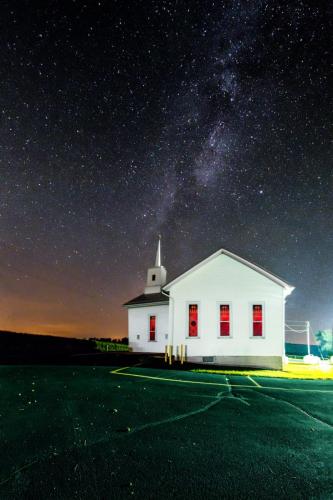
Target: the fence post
(181, 354)
(308, 336)
(170, 354)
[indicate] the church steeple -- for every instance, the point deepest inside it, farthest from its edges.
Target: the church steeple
(158, 253)
(156, 276)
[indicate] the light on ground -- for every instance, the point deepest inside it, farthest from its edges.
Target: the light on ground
(324, 366)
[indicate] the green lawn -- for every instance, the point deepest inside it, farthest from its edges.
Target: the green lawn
(292, 370)
(86, 433)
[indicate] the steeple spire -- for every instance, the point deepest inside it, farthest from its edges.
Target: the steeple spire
(156, 276)
(158, 253)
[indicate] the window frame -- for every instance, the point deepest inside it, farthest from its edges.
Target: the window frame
(262, 304)
(231, 319)
(188, 304)
(149, 316)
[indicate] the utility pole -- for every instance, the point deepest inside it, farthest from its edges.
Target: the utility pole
(308, 335)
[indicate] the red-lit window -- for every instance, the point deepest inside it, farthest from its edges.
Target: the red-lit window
(193, 320)
(257, 320)
(224, 320)
(152, 327)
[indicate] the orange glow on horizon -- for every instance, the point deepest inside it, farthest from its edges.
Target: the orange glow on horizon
(42, 310)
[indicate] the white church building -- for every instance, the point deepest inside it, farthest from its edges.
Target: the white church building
(224, 310)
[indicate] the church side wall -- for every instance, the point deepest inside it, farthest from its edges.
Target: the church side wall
(138, 325)
(226, 281)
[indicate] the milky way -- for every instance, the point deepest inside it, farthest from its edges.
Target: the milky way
(207, 122)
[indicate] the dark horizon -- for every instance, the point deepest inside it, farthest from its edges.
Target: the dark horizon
(45, 334)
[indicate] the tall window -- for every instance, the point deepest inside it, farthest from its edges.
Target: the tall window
(152, 327)
(193, 320)
(224, 320)
(257, 320)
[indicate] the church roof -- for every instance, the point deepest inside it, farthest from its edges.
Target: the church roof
(148, 299)
(289, 288)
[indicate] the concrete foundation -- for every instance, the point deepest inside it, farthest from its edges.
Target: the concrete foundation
(270, 362)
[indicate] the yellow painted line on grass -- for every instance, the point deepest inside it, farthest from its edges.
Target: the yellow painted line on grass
(252, 380)
(164, 379)
(118, 369)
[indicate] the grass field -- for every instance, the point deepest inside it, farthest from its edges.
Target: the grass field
(292, 370)
(108, 433)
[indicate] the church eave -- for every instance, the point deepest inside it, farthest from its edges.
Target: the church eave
(144, 300)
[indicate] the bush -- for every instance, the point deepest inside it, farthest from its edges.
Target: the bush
(110, 346)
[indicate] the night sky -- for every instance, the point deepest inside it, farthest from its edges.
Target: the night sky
(207, 122)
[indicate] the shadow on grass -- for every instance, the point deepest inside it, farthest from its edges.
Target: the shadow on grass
(28, 349)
